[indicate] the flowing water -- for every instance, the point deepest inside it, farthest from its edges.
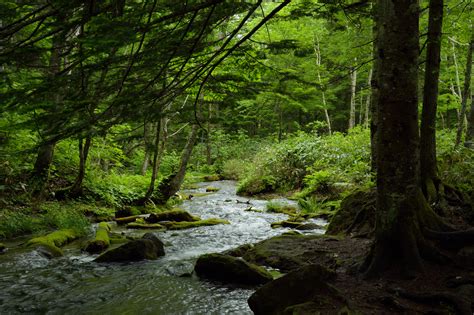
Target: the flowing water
(74, 284)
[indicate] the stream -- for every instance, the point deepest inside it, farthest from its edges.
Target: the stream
(74, 284)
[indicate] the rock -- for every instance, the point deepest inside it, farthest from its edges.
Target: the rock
(52, 242)
(466, 256)
(187, 225)
(289, 252)
(238, 251)
(291, 232)
(212, 189)
(307, 284)
(211, 178)
(3, 248)
(148, 247)
(288, 224)
(127, 212)
(230, 269)
(309, 226)
(101, 240)
(176, 215)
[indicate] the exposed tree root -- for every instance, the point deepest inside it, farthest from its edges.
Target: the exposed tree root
(461, 304)
(452, 239)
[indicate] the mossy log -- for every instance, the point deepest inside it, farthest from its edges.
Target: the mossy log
(101, 240)
(152, 226)
(212, 189)
(125, 220)
(53, 241)
(170, 225)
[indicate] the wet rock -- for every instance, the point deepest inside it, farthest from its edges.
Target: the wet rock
(238, 251)
(230, 269)
(309, 226)
(151, 226)
(212, 189)
(307, 284)
(176, 215)
(127, 211)
(289, 252)
(211, 178)
(3, 248)
(148, 247)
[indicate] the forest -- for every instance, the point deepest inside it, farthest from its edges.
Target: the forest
(211, 157)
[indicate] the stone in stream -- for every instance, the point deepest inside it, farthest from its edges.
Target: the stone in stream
(148, 247)
(230, 269)
(176, 215)
(3, 248)
(292, 292)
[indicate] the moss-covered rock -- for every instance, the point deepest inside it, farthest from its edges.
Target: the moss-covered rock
(127, 211)
(101, 241)
(148, 226)
(289, 252)
(238, 251)
(307, 284)
(212, 189)
(278, 207)
(211, 178)
(176, 215)
(148, 247)
(125, 220)
(50, 244)
(230, 269)
(187, 225)
(286, 223)
(356, 214)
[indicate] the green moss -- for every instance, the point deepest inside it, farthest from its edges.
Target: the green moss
(54, 240)
(278, 207)
(211, 189)
(211, 178)
(136, 225)
(118, 240)
(202, 194)
(126, 220)
(101, 240)
(187, 225)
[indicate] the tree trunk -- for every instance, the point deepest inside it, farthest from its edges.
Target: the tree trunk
(173, 183)
(428, 166)
(352, 113)
(320, 81)
(208, 136)
(469, 141)
(466, 91)
(148, 147)
(398, 199)
(40, 174)
(156, 153)
(367, 102)
(76, 189)
(374, 84)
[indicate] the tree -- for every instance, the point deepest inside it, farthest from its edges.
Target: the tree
(402, 212)
(466, 90)
(428, 166)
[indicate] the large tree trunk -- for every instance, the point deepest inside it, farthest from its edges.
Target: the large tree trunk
(401, 208)
(469, 141)
(466, 91)
(368, 100)
(428, 166)
(172, 184)
(374, 84)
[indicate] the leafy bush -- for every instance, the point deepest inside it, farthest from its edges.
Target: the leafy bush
(14, 223)
(234, 169)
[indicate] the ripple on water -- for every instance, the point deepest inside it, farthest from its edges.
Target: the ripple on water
(75, 285)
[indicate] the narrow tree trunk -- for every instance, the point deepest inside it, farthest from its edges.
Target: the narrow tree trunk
(156, 153)
(428, 166)
(352, 112)
(469, 141)
(76, 189)
(374, 83)
(208, 135)
(367, 102)
(40, 174)
(147, 134)
(320, 81)
(361, 107)
(171, 185)
(466, 91)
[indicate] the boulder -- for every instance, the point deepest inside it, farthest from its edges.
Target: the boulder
(148, 247)
(212, 189)
(309, 226)
(230, 269)
(151, 226)
(50, 244)
(176, 215)
(307, 284)
(238, 251)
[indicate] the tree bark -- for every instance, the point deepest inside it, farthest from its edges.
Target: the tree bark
(469, 141)
(398, 200)
(147, 135)
(173, 183)
(368, 101)
(76, 189)
(374, 83)
(156, 153)
(466, 91)
(352, 112)
(320, 81)
(428, 165)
